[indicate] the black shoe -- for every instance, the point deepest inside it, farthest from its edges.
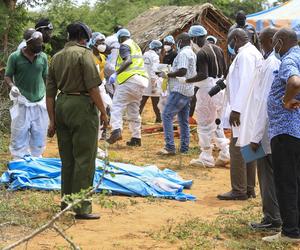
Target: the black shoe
(134, 142)
(87, 216)
(232, 196)
(116, 135)
(265, 226)
(251, 194)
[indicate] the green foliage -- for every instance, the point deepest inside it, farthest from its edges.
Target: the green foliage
(229, 230)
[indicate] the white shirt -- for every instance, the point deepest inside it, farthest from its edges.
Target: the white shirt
(186, 59)
(244, 72)
(151, 60)
(259, 132)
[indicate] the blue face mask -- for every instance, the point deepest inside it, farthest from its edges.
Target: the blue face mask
(231, 50)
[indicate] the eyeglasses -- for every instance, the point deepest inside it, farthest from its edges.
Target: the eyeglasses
(49, 26)
(35, 35)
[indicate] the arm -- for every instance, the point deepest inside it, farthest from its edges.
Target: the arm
(9, 72)
(126, 56)
(292, 89)
(178, 73)
(9, 82)
(183, 64)
(202, 68)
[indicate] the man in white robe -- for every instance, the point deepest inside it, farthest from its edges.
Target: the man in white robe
(244, 73)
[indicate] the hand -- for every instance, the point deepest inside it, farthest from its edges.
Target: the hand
(15, 92)
(163, 74)
(103, 120)
(292, 104)
(51, 129)
(181, 79)
(112, 78)
(254, 146)
(234, 119)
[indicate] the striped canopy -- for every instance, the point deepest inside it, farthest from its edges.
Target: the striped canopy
(284, 15)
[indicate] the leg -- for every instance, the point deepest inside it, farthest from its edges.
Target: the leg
(65, 146)
(251, 178)
(170, 110)
(286, 163)
(38, 131)
(143, 103)
(134, 118)
(155, 100)
(20, 125)
(120, 102)
(267, 190)
(238, 171)
(205, 115)
(183, 119)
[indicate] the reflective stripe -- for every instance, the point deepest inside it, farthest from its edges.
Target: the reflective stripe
(137, 65)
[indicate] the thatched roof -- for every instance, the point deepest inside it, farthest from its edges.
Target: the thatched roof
(159, 22)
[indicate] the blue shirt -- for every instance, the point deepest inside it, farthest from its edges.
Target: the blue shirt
(283, 121)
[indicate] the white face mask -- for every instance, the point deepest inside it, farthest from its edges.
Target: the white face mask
(167, 48)
(101, 47)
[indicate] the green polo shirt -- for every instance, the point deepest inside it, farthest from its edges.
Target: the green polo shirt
(28, 76)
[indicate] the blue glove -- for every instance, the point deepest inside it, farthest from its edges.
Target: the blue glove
(112, 78)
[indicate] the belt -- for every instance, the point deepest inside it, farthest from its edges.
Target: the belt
(77, 93)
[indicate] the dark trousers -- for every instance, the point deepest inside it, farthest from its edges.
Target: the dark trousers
(154, 100)
(286, 163)
(242, 174)
(267, 190)
(77, 133)
(193, 102)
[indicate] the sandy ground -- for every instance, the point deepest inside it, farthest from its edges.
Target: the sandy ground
(129, 227)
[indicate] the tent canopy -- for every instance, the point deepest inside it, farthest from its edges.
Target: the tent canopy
(284, 15)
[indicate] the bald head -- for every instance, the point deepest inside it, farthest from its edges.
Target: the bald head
(28, 33)
(237, 38)
(284, 39)
(266, 38)
(183, 40)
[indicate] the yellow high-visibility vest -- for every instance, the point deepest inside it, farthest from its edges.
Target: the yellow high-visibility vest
(137, 66)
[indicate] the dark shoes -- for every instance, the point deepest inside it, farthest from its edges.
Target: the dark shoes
(232, 196)
(251, 194)
(87, 216)
(264, 225)
(134, 142)
(116, 135)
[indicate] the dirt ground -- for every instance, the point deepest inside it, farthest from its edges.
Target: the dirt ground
(130, 225)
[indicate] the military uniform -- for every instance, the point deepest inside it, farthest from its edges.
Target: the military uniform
(73, 73)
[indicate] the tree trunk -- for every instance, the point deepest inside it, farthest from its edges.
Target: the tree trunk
(11, 6)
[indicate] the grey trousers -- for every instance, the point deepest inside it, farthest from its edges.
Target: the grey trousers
(267, 190)
(242, 174)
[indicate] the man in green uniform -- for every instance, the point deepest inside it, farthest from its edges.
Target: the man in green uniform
(74, 115)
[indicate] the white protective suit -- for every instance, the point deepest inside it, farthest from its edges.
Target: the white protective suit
(254, 125)
(151, 60)
(207, 110)
(128, 97)
(29, 127)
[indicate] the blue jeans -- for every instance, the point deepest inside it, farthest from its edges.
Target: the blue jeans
(177, 104)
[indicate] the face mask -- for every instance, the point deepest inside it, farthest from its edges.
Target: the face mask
(277, 54)
(167, 48)
(37, 49)
(178, 46)
(101, 47)
(231, 50)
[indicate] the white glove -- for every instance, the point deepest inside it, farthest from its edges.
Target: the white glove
(163, 74)
(181, 79)
(112, 78)
(15, 92)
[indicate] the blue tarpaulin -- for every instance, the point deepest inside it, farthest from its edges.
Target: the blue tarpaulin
(119, 178)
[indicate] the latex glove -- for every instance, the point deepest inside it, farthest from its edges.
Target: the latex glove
(181, 79)
(15, 92)
(112, 78)
(164, 85)
(163, 74)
